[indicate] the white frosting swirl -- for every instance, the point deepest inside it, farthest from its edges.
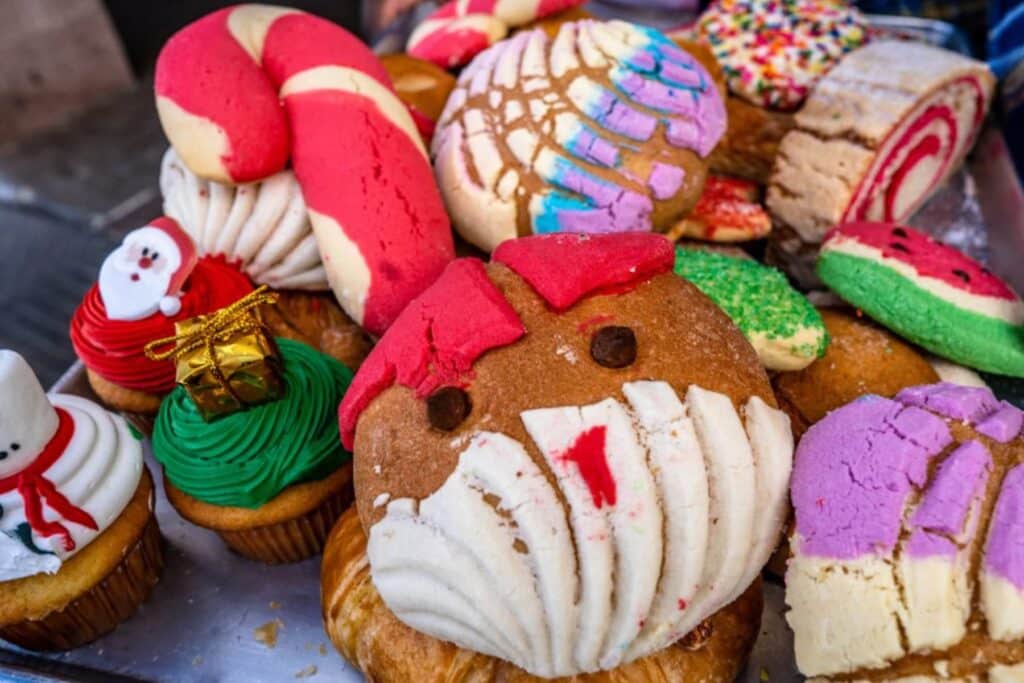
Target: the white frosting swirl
(694, 500)
(98, 472)
(264, 226)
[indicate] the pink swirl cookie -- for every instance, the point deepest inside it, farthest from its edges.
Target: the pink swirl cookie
(893, 499)
(602, 129)
(355, 150)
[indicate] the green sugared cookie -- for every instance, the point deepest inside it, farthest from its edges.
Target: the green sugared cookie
(783, 327)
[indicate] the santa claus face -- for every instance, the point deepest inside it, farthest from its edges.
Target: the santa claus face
(140, 273)
(27, 420)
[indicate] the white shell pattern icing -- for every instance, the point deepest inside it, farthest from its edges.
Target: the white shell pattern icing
(618, 572)
(264, 226)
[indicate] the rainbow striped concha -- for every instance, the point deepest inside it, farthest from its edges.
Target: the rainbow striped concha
(378, 219)
(894, 499)
(877, 135)
(602, 129)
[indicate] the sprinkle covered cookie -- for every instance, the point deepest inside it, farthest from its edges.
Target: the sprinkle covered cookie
(779, 322)
(602, 129)
(774, 51)
(927, 292)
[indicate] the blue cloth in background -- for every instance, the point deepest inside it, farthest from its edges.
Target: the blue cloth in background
(1006, 58)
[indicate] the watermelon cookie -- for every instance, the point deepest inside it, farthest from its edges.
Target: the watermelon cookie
(783, 327)
(928, 292)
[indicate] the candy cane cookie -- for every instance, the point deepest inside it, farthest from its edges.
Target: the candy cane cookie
(877, 136)
(460, 29)
(377, 215)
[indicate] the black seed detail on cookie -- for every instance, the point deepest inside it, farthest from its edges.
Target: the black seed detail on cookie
(962, 275)
(447, 408)
(899, 232)
(899, 247)
(613, 346)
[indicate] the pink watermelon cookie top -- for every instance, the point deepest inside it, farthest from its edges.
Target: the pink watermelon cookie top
(888, 507)
(932, 264)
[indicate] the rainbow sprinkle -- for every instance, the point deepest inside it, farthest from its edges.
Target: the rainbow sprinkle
(774, 51)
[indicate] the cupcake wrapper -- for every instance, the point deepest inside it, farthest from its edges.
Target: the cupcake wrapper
(100, 610)
(140, 422)
(293, 540)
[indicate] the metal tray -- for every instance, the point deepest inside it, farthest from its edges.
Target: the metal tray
(212, 616)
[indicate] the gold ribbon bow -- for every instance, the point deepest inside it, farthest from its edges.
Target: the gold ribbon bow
(206, 330)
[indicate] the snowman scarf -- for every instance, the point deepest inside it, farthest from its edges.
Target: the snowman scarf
(37, 491)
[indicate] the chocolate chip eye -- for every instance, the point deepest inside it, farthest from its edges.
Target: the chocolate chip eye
(15, 446)
(899, 232)
(447, 408)
(145, 251)
(156, 255)
(3, 455)
(899, 247)
(613, 346)
(962, 275)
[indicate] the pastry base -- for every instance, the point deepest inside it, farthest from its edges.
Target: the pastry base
(373, 640)
(289, 528)
(94, 591)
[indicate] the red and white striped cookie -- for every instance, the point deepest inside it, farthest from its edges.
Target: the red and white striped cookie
(376, 212)
(877, 136)
(460, 29)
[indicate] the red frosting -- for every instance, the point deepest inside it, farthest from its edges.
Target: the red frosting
(113, 349)
(564, 268)
(588, 453)
(926, 256)
(435, 340)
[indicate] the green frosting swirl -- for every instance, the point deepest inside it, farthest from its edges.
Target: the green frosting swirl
(246, 458)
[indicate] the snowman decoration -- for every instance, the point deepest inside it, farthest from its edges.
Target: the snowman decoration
(146, 273)
(67, 470)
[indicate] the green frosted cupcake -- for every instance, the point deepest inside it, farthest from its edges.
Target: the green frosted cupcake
(271, 478)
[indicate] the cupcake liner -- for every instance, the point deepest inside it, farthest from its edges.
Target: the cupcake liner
(101, 609)
(141, 422)
(293, 540)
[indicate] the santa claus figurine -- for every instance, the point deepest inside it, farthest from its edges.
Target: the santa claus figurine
(67, 470)
(147, 272)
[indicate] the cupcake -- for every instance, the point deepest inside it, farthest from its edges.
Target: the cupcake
(907, 562)
(79, 544)
(271, 479)
(542, 491)
(146, 285)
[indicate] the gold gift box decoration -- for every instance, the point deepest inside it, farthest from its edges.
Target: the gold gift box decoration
(226, 360)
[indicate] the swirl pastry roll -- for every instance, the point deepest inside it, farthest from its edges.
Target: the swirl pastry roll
(877, 136)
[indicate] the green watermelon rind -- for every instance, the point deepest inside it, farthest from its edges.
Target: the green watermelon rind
(963, 336)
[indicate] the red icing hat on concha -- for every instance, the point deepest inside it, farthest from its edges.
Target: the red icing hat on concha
(435, 341)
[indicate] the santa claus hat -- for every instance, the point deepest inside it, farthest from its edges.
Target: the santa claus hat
(186, 249)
